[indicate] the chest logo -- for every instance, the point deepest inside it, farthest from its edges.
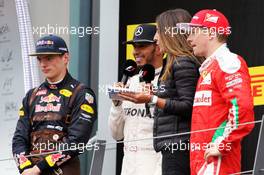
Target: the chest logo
(206, 79)
(203, 98)
(48, 108)
(50, 98)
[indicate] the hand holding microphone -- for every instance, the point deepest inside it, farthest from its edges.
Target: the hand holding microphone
(147, 74)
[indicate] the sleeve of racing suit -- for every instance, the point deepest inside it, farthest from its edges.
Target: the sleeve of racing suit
(235, 88)
(116, 122)
(185, 77)
(21, 138)
(84, 114)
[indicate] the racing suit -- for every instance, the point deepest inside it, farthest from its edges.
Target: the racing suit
(223, 101)
(54, 117)
(130, 122)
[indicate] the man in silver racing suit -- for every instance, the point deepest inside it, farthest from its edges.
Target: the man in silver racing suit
(128, 120)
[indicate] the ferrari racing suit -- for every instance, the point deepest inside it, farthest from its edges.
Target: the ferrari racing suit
(223, 101)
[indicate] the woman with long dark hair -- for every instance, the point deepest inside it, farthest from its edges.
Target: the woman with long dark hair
(174, 104)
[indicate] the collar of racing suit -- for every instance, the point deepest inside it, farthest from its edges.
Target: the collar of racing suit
(58, 85)
(209, 60)
(158, 70)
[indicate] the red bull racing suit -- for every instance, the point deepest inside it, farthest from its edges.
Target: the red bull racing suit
(54, 117)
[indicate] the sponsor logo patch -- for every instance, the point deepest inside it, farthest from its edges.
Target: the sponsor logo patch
(21, 113)
(23, 162)
(53, 86)
(203, 98)
(41, 92)
(50, 98)
(136, 112)
(49, 108)
(207, 79)
(44, 42)
(234, 82)
(87, 108)
(65, 92)
(53, 158)
(86, 116)
(89, 98)
(211, 18)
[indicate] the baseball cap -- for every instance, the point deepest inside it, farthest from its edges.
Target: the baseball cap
(209, 19)
(144, 33)
(50, 45)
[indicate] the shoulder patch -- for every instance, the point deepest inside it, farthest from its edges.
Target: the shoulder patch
(229, 63)
(21, 112)
(89, 98)
(87, 108)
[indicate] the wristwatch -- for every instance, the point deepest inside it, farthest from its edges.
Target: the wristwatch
(153, 100)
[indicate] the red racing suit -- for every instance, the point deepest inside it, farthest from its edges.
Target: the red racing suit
(222, 100)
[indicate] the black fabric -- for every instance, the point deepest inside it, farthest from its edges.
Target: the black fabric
(176, 162)
(71, 168)
(179, 93)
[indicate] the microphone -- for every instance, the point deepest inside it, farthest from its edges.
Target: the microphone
(129, 70)
(147, 74)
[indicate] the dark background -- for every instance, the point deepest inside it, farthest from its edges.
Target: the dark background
(247, 40)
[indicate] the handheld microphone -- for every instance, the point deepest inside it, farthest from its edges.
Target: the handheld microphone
(147, 74)
(129, 70)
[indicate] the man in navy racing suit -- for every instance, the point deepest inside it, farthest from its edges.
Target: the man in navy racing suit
(56, 116)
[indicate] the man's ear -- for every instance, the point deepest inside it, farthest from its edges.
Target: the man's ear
(66, 58)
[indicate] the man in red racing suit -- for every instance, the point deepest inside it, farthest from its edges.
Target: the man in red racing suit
(222, 100)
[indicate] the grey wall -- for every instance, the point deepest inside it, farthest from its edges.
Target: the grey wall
(108, 72)
(52, 12)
